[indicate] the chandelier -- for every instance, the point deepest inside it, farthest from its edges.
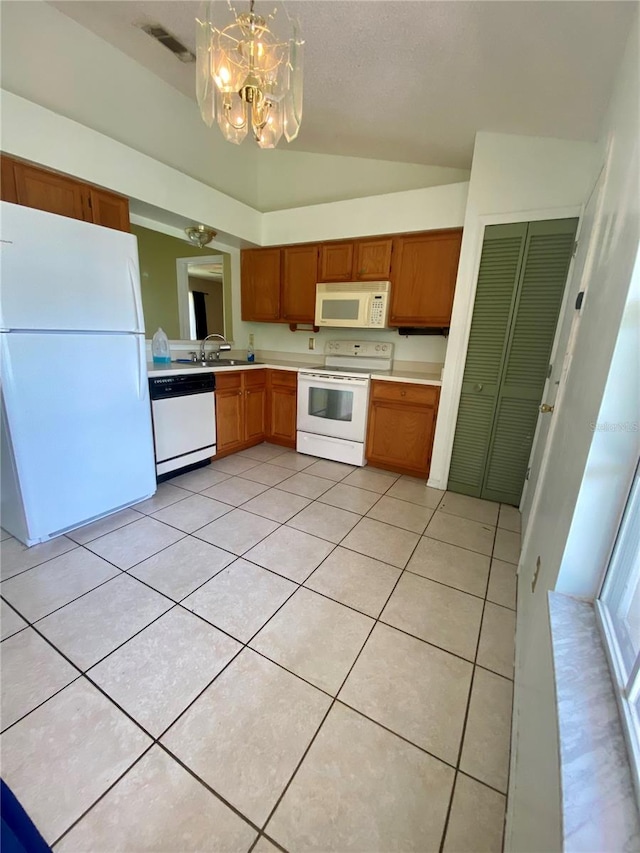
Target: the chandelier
(249, 72)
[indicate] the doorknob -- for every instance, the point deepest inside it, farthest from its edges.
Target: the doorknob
(545, 408)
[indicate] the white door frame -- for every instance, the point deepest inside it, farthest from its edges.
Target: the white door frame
(583, 265)
(578, 267)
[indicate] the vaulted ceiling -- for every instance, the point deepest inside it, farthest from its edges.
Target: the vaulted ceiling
(413, 80)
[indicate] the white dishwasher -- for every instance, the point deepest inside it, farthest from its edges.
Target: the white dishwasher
(184, 420)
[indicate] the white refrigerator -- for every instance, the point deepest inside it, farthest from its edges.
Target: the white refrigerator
(76, 437)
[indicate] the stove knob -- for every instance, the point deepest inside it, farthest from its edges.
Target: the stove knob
(378, 348)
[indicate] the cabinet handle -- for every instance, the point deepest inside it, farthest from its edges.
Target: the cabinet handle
(478, 387)
(239, 392)
(403, 393)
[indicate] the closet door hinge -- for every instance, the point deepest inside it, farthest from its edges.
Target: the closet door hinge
(526, 476)
(575, 249)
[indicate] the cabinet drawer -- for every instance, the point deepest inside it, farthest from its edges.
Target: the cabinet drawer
(284, 378)
(254, 378)
(404, 392)
(228, 381)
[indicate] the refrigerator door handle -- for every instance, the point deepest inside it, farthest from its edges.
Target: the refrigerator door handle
(142, 371)
(134, 278)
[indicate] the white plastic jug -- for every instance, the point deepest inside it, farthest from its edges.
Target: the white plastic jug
(160, 348)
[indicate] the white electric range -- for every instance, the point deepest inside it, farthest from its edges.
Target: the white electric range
(333, 400)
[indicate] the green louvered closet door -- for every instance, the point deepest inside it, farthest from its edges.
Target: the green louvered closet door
(523, 271)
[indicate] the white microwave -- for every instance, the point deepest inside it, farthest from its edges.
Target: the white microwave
(353, 305)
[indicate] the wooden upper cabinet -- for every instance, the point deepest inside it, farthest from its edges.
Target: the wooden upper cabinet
(373, 260)
(300, 273)
(8, 190)
(32, 186)
(357, 260)
(48, 191)
(336, 262)
(108, 209)
(260, 285)
(423, 278)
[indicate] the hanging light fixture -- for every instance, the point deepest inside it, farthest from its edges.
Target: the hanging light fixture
(249, 72)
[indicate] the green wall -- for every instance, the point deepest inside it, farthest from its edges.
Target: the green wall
(158, 254)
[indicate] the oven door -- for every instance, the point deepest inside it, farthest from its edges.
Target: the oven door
(334, 406)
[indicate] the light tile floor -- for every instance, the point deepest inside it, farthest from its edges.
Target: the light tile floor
(274, 650)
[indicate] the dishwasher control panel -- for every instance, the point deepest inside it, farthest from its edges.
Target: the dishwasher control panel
(164, 387)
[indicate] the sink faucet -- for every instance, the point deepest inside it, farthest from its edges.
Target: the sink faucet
(223, 347)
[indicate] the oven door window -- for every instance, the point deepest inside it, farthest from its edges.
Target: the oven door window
(332, 404)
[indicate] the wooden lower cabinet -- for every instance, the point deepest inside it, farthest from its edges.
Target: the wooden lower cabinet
(282, 401)
(255, 405)
(240, 410)
(401, 425)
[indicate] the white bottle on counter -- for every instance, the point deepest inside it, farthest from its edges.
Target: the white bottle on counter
(160, 348)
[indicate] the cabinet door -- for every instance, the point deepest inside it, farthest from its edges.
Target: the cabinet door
(373, 260)
(299, 278)
(424, 278)
(521, 282)
(7, 180)
(260, 285)
(336, 262)
(400, 437)
(108, 209)
(255, 403)
(282, 407)
(229, 412)
(48, 191)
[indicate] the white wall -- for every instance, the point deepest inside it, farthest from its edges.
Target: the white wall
(272, 336)
(295, 178)
(584, 483)
(513, 179)
(413, 210)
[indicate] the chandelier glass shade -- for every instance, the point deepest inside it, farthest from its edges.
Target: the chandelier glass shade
(249, 71)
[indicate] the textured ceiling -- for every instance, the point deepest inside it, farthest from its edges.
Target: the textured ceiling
(413, 80)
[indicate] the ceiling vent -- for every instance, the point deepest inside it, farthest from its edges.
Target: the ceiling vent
(171, 42)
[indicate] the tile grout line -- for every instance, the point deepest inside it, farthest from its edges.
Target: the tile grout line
(335, 699)
(468, 706)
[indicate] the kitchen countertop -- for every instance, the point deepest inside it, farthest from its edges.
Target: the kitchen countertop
(395, 375)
